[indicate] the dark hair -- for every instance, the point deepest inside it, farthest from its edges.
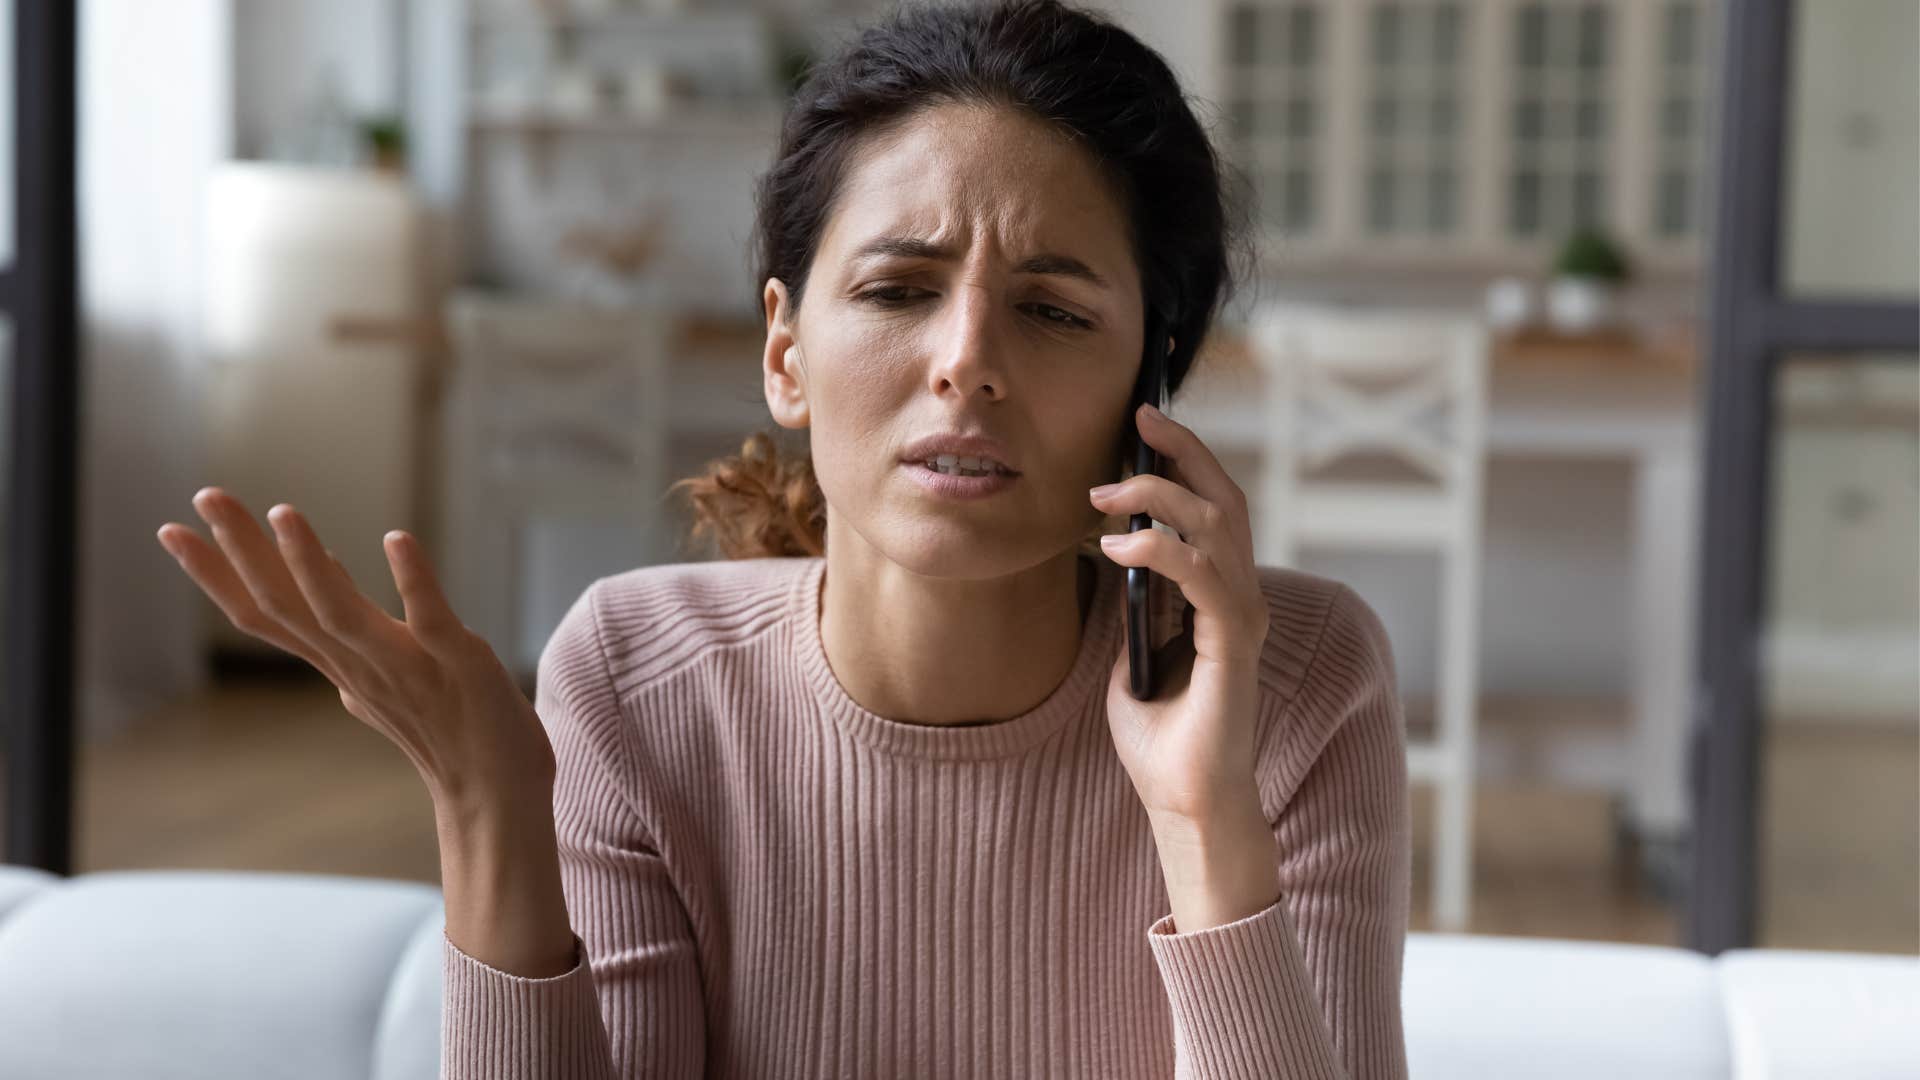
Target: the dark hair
(1069, 67)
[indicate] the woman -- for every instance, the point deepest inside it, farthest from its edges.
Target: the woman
(877, 800)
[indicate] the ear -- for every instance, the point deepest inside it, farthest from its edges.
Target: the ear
(782, 367)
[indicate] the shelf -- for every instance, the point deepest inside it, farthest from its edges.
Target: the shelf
(635, 20)
(684, 120)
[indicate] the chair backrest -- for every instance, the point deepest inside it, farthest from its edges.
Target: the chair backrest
(1378, 403)
(556, 462)
(1407, 383)
(556, 391)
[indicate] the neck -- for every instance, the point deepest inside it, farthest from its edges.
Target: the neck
(933, 650)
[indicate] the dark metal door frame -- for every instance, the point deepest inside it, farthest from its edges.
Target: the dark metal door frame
(39, 297)
(1753, 324)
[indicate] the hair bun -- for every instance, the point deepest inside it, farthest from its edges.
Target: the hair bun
(758, 503)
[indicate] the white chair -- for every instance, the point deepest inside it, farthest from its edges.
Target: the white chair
(1404, 393)
(556, 460)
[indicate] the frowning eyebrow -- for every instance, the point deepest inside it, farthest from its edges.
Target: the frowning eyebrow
(908, 247)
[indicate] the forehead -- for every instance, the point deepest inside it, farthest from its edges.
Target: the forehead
(966, 176)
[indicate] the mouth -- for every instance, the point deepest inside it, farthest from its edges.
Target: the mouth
(963, 465)
(954, 480)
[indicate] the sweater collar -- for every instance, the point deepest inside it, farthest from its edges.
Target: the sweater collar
(1080, 694)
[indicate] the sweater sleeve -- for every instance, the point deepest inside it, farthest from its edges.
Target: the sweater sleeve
(631, 1005)
(1310, 987)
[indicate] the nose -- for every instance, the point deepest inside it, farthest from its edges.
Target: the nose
(966, 357)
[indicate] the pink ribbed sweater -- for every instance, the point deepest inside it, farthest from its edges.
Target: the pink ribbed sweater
(768, 880)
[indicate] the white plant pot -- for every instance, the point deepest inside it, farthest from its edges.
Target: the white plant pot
(1578, 305)
(1509, 304)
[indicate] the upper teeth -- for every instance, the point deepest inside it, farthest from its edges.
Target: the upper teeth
(953, 463)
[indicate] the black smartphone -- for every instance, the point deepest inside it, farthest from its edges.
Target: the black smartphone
(1143, 584)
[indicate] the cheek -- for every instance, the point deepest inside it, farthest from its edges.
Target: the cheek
(856, 404)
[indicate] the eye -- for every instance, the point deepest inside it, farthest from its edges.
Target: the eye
(890, 296)
(881, 295)
(1068, 318)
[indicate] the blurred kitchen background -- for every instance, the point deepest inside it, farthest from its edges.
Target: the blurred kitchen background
(1643, 526)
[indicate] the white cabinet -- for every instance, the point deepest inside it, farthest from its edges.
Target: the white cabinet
(1467, 131)
(297, 413)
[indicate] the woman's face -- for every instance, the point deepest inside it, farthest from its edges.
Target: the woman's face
(974, 277)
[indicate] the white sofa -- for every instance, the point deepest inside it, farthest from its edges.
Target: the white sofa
(176, 974)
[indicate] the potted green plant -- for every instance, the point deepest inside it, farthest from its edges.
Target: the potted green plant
(386, 138)
(1588, 274)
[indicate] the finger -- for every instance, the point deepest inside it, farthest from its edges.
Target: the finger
(209, 569)
(256, 560)
(339, 607)
(1198, 468)
(1203, 524)
(428, 614)
(1223, 623)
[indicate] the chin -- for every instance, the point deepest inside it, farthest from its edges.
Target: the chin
(947, 548)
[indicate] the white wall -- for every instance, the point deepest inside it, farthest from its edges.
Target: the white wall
(283, 50)
(154, 116)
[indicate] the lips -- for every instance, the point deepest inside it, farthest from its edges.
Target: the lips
(977, 452)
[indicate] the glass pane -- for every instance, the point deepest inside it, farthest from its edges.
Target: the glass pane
(1839, 799)
(1530, 42)
(1524, 210)
(1383, 116)
(1300, 118)
(1586, 198)
(1593, 36)
(1380, 200)
(1271, 194)
(1852, 205)
(1386, 35)
(1440, 201)
(1676, 118)
(1239, 119)
(1681, 23)
(1301, 32)
(1243, 34)
(6, 502)
(6, 136)
(1299, 213)
(1446, 34)
(1273, 115)
(1675, 203)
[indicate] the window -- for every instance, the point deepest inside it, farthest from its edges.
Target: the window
(1560, 117)
(1679, 123)
(1469, 131)
(1413, 124)
(1274, 108)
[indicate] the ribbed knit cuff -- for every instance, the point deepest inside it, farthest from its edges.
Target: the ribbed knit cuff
(500, 1026)
(1242, 1000)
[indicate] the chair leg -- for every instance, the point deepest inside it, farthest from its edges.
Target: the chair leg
(1453, 841)
(1453, 852)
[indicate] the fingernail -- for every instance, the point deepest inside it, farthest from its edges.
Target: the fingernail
(1110, 540)
(1103, 490)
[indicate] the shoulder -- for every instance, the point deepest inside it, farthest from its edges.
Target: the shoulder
(1321, 636)
(1327, 663)
(643, 624)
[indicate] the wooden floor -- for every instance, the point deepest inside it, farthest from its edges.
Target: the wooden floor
(275, 775)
